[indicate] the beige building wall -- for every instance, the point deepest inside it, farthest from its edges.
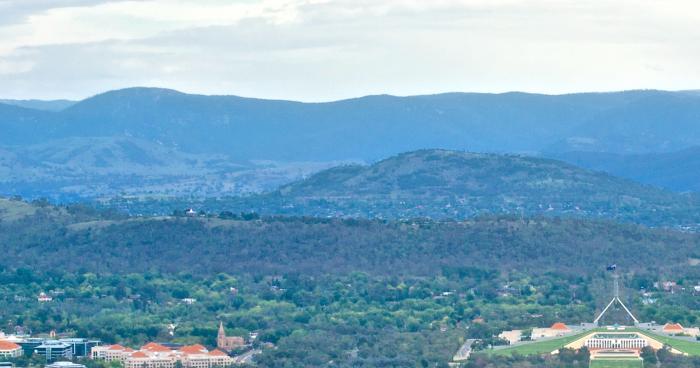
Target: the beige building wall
(543, 333)
(511, 336)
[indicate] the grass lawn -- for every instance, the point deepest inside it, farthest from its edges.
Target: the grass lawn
(619, 363)
(543, 347)
(692, 348)
(538, 347)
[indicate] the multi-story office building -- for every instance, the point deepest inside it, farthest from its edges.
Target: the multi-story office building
(79, 347)
(53, 350)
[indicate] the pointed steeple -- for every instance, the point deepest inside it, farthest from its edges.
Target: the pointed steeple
(222, 332)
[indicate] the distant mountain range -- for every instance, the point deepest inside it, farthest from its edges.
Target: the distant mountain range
(223, 134)
(372, 127)
(47, 105)
(678, 171)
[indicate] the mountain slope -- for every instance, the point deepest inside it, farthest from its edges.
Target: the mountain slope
(659, 123)
(364, 128)
(104, 167)
(230, 128)
(440, 183)
(45, 105)
(20, 125)
(435, 173)
(678, 171)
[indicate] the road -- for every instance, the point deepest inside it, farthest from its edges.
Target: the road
(247, 357)
(464, 351)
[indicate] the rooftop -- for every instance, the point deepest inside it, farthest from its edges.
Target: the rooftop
(673, 327)
(152, 346)
(7, 345)
(616, 336)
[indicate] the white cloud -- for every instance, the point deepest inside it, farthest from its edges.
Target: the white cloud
(327, 49)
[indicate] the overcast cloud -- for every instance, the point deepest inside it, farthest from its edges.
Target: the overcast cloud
(317, 50)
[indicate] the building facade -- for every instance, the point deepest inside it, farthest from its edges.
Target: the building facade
(556, 330)
(110, 353)
(153, 355)
(616, 341)
(10, 350)
(52, 350)
(617, 344)
(228, 343)
(512, 336)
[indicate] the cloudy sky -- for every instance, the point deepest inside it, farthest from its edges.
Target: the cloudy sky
(318, 50)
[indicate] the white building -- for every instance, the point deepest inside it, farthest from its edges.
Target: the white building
(110, 353)
(64, 365)
(616, 341)
(153, 355)
(10, 349)
(511, 336)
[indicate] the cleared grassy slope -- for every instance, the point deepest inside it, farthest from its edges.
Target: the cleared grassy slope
(15, 210)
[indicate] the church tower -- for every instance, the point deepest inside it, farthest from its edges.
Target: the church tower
(221, 336)
(228, 343)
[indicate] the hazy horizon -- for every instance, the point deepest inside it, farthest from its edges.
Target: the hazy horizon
(4, 98)
(321, 50)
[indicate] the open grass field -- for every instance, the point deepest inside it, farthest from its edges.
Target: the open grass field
(619, 363)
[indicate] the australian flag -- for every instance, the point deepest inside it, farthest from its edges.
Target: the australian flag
(612, 267)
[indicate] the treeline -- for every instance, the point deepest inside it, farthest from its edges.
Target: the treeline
(318, 246)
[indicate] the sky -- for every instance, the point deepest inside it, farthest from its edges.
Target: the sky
(321, 50)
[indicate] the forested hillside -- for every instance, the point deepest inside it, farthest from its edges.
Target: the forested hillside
(678, 171)
(442, 184)
(363, 293)
(74, 241)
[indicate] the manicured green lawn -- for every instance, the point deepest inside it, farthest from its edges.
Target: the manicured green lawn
(542, 347)
(605, 363)
(690, 347)
(538, 347)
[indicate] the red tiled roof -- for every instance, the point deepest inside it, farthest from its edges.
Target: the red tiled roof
(7, 345)
(152, 346)
(193, 349)
(129, 350)
(116, 347)
(217, 352)
(139, 354)
(559, 326)
(673, 327)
